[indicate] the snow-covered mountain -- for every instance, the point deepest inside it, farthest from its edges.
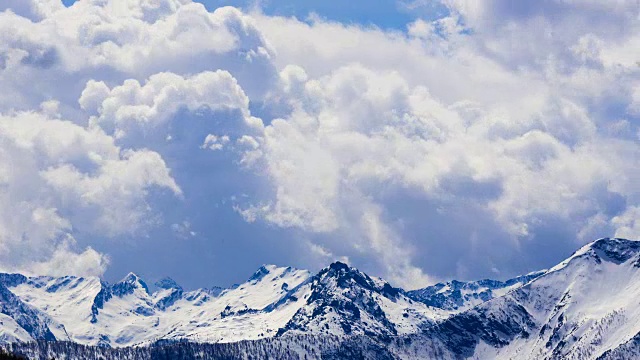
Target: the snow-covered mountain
(127, 313)
(339, 300)
(456, 296)
(586, 307)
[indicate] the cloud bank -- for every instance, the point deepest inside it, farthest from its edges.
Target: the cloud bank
(490, 141)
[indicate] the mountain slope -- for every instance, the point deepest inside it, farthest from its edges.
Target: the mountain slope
(21, 322)
(586, 307)
(341, 300)
(274, 301)
(456, 296)
(583, 308)
(127, 313)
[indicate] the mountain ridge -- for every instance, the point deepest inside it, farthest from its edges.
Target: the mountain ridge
(582, 308)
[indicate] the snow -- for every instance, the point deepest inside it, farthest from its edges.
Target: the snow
(579, 309)
(10, 331)
(588, 301)
(135, 319)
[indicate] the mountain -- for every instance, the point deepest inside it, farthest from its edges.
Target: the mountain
(340, 300)
(19, 321)
(456, 296)
(127, 313)
(586, 307)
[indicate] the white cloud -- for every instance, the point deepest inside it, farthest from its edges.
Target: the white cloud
(112, 41)
(64, 261)
(34, 10)
(183, 230)
(502, 124)
(86, 89)
(213, 142)
(458, 119)
(134, 107)
(58, 176)
(628, 223)
(116, 191)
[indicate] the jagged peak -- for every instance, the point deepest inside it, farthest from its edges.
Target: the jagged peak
(167, 283)
(130, 277)
(339, 265)
(214, 290)
(267, 269)
(616, 249)
(339, 268)
(12, 279)
(128, 284)
(346, 276)
(260, 273)
(457, 295)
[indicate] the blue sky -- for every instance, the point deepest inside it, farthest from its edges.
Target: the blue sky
(418, 141)
(387, 14)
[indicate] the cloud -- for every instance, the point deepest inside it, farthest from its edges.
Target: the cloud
(459, 126)
(494, 138)
(58, 177)
(627, 223)
(111, 42)
(132, 107)
(92, 100)
(116, 190)
(33, 10)
(213, 142)
(64, 261)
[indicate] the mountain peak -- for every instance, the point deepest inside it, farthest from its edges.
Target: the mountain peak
(130, 277)
(346, 277)
(128, 285)
(167, 283)
(539, 308)
(12, 279)
(339, 265)
(277, 271)
(262, 271)
(457, 295)
(615, 249)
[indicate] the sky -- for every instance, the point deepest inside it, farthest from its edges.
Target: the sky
(418, 141)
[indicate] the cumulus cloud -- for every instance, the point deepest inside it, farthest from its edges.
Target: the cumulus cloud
(33, 10)
(58, 177)
(470, 128)
(87, 90)
(494, 138)
(132, 107)
(65, 261)
(110, 41)
(627, 223)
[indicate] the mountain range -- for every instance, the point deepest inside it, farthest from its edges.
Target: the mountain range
(586, 307)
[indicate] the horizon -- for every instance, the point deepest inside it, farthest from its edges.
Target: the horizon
(417, 141)
(154, 284)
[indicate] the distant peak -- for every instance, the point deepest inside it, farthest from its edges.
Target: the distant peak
(265, 270)
(260, 273)
(128, 284)
(12, 280)
(131, 277)
(340, 268)
(167, 283)
(614, 241)
(614, 250)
